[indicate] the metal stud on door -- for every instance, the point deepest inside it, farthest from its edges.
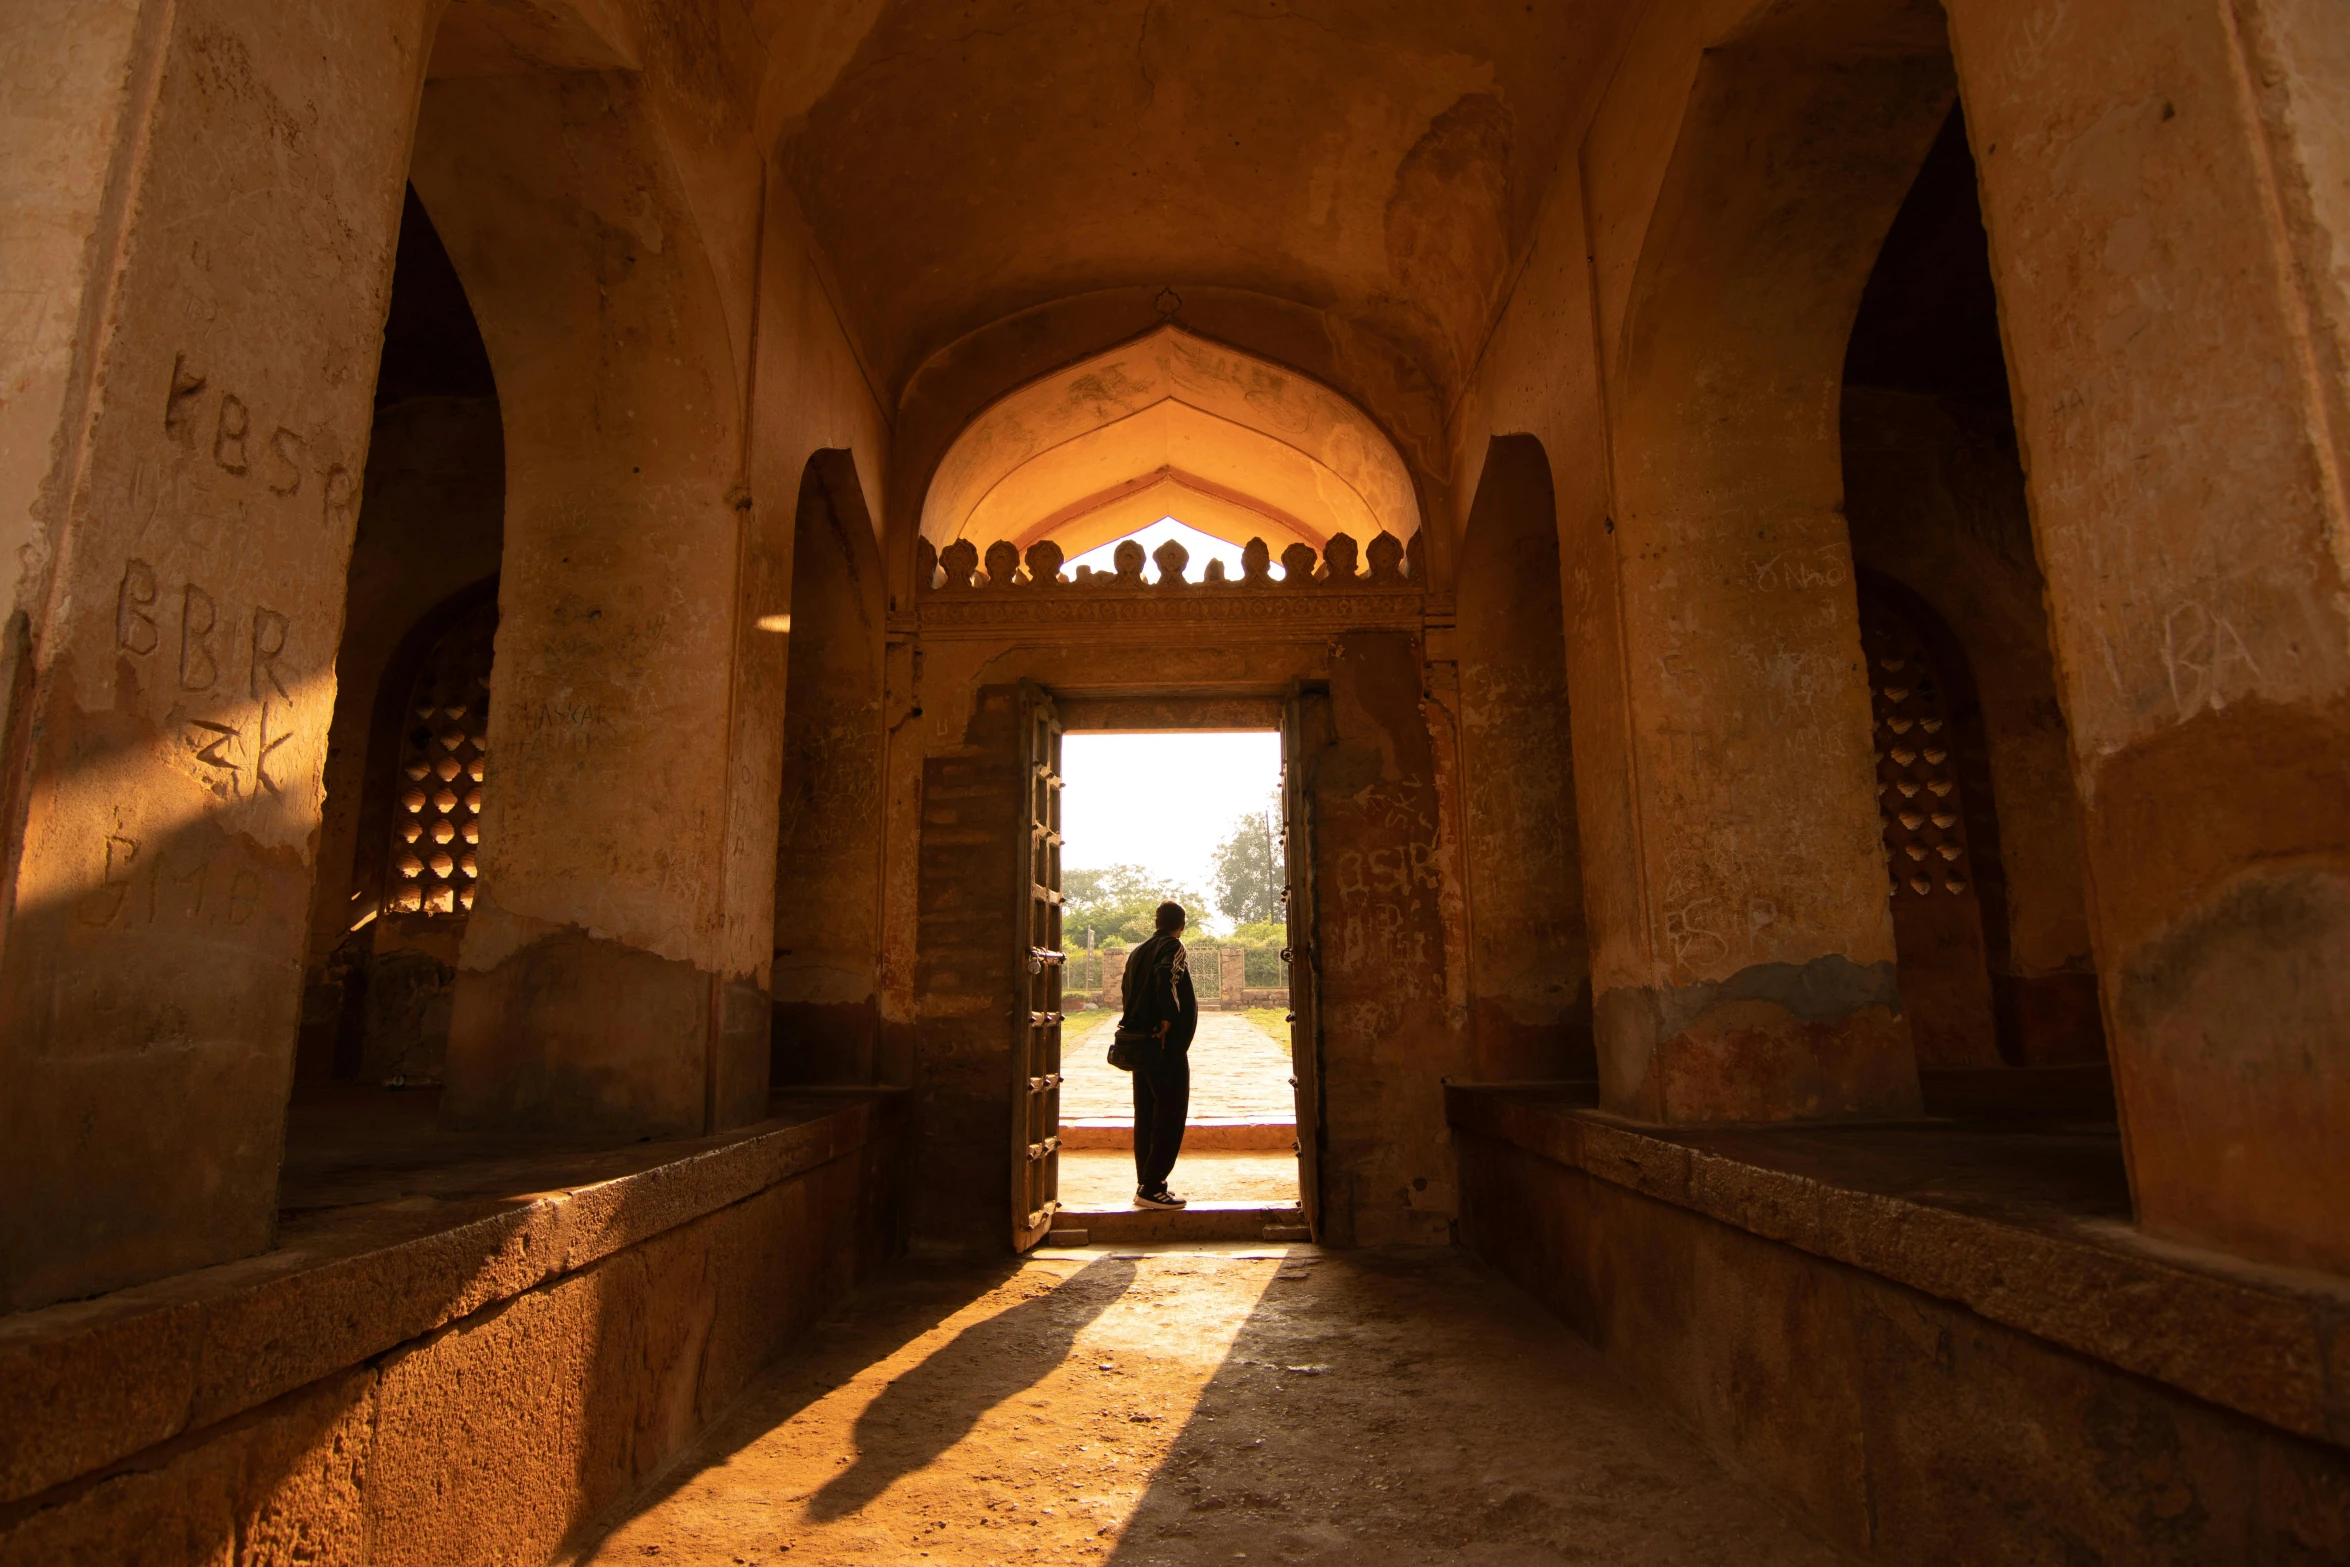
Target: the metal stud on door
(1039, 963)
(1305, 733)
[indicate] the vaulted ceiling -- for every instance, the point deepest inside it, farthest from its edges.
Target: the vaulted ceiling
(1382, 160)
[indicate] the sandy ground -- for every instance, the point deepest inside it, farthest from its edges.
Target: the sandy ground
(1238, 1073)
(1185, 1407)
(1104, 1178)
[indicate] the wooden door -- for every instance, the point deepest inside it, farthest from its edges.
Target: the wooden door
(1305, 733)
(1039, 959)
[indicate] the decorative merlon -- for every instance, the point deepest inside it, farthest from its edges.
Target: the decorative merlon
(954, 591)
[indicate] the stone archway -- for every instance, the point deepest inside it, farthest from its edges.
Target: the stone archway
(1236, 445)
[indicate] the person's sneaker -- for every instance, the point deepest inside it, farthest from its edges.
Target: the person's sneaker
(1162, 1198)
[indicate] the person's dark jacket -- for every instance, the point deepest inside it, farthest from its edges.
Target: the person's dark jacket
(1158, 990)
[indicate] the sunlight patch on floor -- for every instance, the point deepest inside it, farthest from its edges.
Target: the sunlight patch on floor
(1026, 1425)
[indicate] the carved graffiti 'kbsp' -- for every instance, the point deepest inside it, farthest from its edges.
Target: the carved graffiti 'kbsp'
(228, 435)
(286, 447)
(234, 442)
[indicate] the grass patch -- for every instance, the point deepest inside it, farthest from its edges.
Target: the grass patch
(1084, 1025)
(1273, 1021)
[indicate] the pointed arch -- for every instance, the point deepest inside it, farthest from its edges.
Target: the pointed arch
(1171, 424)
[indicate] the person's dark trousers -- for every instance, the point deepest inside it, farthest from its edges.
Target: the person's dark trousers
(1162, 1098)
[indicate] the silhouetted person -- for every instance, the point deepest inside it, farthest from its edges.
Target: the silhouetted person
(1161, 1008)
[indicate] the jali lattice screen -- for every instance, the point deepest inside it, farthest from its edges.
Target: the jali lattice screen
(444, 750)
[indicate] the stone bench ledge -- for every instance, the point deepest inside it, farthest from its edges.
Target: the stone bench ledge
(87, 1383)
(2270, 1343)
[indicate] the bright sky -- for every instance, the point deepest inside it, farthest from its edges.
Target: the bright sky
(1162, 801)
(1203, 547)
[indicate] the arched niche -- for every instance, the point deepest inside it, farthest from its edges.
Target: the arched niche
(826, 978)
(1530, 973)
(1170, 424)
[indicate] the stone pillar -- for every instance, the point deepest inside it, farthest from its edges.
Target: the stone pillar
(202, 204)
(1114, 976)
(1380, 934)
(2167, 189)
(1744, 967)
(613, 973)
(1232, 976)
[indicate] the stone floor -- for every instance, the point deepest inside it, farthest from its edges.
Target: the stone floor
(1205, 1405)
(1105, 1179)
(1238, 1073)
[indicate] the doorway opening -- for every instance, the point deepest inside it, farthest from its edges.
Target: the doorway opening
(1194, 818)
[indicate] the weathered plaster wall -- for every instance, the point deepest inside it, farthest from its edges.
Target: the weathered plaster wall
(1767, 989)
(202, 469)
(1538, 379)
(2161, 206)
(812, 391)
(74, 72)
(2198, 648)
(1385, 861)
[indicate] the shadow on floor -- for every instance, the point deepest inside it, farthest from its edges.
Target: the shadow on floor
(1384, 1408)
(1188, 1408)
(935, 1405)
(921, 1414)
